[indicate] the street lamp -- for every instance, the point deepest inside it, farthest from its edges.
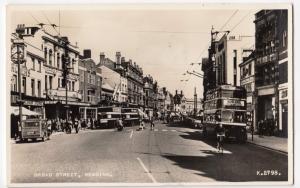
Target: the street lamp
(21, 32)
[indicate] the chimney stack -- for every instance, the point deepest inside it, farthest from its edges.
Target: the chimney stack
(122, 59)
(87, 53)
(102, 57)
(118, 58)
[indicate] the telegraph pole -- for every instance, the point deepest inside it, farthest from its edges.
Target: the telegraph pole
(66, 62)
(195, 102)
(19, 83)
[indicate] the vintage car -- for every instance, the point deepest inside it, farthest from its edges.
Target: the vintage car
(34, 128)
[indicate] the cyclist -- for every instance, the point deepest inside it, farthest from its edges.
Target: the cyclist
(220, 137)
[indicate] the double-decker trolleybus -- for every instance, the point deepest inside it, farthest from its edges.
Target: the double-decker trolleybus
(226, 106)
(130, 116)
(109, 116)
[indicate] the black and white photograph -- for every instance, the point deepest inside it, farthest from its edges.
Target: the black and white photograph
(149, 94)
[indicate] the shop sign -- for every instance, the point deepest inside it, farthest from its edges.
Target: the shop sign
(233, 102)
(117, 110)
(284, 94)
(33, 103)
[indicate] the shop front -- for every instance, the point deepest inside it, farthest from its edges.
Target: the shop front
(283, 111)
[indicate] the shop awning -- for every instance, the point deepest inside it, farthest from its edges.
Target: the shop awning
(25, 111)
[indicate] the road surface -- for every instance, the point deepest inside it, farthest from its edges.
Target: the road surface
(168, 154)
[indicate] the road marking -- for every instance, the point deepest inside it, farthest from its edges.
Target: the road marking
(155, 129)
(164, 130)
(173, 130)
(131, 133)
(146, 170)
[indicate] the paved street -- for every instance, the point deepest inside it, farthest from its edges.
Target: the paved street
(170, 153)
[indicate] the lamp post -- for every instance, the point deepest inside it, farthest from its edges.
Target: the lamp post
(19, 44)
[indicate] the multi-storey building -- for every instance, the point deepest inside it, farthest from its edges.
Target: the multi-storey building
(135, 82)
(161, 99)
(55, 48)
(32, 72)
(209, 76)
(188, 106)
(149, 97)
(228, 56)
(90, 82)
(114, 76)
(247, 80)
(43, 85)
(271, 67)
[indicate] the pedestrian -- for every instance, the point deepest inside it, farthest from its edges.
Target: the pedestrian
(89, 123)
(220, 137)
(141, 124)
(79, 124)
(49, 126)
(76, 125)
(120, 125)
(59, 125)
(151, 123)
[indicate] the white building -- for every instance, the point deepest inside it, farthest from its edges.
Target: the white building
(228, 56)
(114, 80)
(42, 79)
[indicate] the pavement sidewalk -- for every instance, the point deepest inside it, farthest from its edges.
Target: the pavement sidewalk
(270, 142)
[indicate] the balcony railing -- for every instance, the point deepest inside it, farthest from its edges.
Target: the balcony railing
(60, 94)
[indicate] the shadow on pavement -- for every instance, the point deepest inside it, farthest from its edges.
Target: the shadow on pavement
(225, 167)
(239, 162)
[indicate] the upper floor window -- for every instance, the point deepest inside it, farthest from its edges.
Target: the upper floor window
(50, 57)
(284, 39)
(58, 60)
(39, 65)
(45, 55)
(33, 63)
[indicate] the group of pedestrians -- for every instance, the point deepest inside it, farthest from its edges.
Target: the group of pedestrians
(63, 125)
(266, 127)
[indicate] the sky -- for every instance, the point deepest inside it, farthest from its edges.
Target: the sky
(163, 40)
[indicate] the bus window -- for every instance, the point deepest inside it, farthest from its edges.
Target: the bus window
(227, 116)
(239, 117)
(233, 94)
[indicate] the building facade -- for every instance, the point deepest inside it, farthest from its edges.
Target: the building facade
(135, 83)
(90, 83)
(228, 56)
(271, 67)
(32, 72)
(247, 80)
(149, 97)
(55, 49)
(43, 84)
(115, 77)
